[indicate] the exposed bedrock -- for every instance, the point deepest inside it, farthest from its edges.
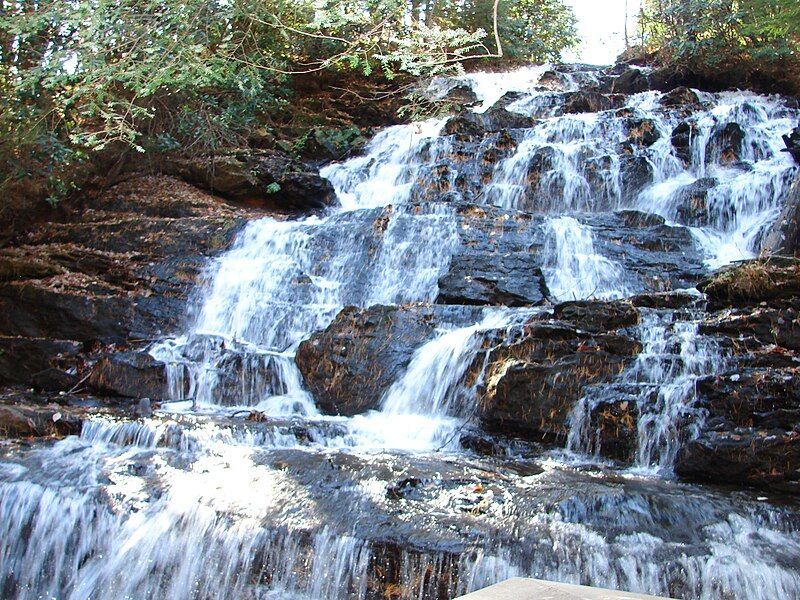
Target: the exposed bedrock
(751, 431)
(533, 381)
(269, 179)
(117, 271)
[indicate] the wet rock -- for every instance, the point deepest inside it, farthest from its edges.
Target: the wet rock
(553, 80)
(31, 311)
(496, 262)
(38, 361)
(783, 237)
(726, 144)
(642, 132)
(129, 374)
(636, 173)
(754, 281)
(792, 141)
(589, 102)
(461, 95)
(24, 421)
(466, 125)
(630, 81)
(758, 328)
(596, 316)
(693, 209)
(681, 139)
(533, 383)
(750, 435)
(268, 178)
(681, 98)
(673, 300)
(349, 366)
(613, 429)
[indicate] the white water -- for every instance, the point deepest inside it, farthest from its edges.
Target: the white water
(572, 267)
(200, 506)
(662, 385)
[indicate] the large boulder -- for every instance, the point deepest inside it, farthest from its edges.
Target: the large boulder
(129, 374)
(783, 237)
(266, 178)
(692, 202)
(350, 365)
(751, 434)
(534, 382)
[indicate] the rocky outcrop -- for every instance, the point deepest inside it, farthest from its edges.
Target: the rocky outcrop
(268, 179)
(534, 381)
(751, 431)
(693, 209)
(753, 282)
(783, 237)
(40, 362)
(350, 365)
(129, 374)
(118, 270)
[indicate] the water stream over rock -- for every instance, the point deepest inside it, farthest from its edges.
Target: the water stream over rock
(453, 241)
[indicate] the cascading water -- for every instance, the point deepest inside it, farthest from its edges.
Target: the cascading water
(193, 503)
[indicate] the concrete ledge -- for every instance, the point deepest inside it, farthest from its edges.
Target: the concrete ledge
(535, 589)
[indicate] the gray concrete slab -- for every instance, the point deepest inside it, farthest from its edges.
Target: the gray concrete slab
(535, 589)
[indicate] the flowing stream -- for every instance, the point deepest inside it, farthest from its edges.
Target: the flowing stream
(193, 503)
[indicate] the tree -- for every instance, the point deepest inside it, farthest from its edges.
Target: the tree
(81, 76)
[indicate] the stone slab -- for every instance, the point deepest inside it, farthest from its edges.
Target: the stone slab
(535, 589)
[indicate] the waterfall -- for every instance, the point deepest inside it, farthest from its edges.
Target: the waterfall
(199, 501)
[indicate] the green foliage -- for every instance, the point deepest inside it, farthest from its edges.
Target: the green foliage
(703, 34)
(82, 77)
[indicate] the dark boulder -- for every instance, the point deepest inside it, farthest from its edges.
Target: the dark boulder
(630, 81)
(589, 102)
(534, 382)
(268, 178)
(681, 139)
(636, 173)
(351, 364)
(750, 435)
(792, 141)
(38, 362)
(784, 236)
(692, 203)
(466, 126)
(726, 144)
(129, 374)
(641, 132)
(683, 99)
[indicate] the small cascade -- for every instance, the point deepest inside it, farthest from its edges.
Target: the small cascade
(572, 267)
(661, 386)
(385, 175)
(238, 353)
(432, 401)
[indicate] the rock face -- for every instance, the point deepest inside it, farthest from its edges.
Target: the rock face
(533, 382)
(269, 179)
(751, 433)
(116, 271)
(129, 374)
(784, 236)
(350, 365)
